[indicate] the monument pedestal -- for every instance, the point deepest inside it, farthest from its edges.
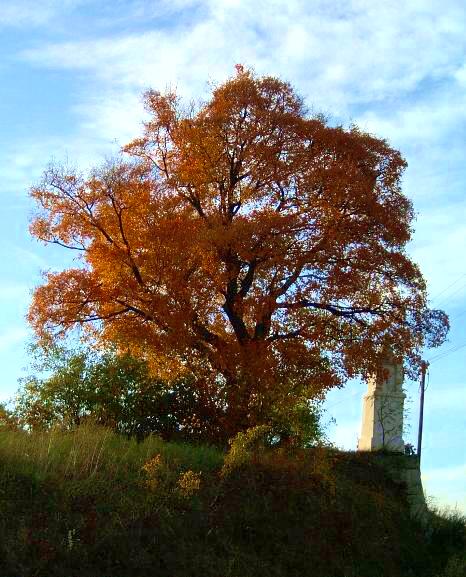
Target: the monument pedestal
(382, 422)
(382, 430)
(383, 406)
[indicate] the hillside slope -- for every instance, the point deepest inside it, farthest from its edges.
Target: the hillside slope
(92, 504)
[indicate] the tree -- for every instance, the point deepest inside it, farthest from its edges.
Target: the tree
(8, 421)
(70, 386)
(117, 391)
(243, 242)
(61, 398)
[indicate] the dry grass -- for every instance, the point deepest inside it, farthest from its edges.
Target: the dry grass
(92, 504)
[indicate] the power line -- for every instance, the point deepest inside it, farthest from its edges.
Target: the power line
(428, 379)
(446, 353)
(430, 361)
(354, 393)
(446, 299)
(447, 288)
(459, 315)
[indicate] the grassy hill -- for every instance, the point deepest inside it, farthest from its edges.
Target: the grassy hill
(93, 504)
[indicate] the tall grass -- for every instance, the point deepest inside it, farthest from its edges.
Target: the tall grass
(91, 503)
(91, 450)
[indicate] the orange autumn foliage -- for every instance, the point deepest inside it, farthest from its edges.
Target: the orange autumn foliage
(257, 248)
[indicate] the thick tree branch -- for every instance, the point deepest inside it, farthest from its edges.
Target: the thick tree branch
(248, 279)
(119, 214)
(285, 336)
(337, 310)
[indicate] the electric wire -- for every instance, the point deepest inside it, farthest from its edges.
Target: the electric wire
(347, 398)
(446, 353)
(446, 299)
(438, 356)
(447, 288)
(428, 380)
(458, 315)
(455, 348)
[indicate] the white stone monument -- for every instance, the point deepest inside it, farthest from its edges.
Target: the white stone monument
(382, 416)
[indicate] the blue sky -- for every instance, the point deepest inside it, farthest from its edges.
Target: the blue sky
(71, 77)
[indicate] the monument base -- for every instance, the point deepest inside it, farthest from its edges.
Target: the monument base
(405, 470)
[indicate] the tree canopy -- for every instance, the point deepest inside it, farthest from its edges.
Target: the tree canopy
(244, 242)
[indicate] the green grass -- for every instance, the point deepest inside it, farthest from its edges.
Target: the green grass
(94, 504)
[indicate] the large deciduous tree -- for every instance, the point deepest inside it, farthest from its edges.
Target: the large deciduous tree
(245, 242)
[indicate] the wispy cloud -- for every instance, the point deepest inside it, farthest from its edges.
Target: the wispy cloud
(399, 71)
(341, 54)
(23, 162)
(345, 58)
(456, 473)
(29, 257)
(34, 13)
(439, 245)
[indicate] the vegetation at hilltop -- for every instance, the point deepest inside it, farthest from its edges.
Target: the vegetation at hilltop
(66, 387)
(91, 503)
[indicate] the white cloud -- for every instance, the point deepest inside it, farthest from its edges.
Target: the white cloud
(402, 70)
(419, 123)
(114, 117)
(23, 163)
(397, 70)
(337, 54)
(439, 245)
(34, 12)
(341, 56)
(455, 473)
(460, 75)
(20, 165)
(429, 130)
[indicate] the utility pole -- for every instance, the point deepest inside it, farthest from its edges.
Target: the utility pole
(424, 366)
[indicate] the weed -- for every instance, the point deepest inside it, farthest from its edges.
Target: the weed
(189, 483)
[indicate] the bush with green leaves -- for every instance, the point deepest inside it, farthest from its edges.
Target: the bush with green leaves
(113, 390)
(447, 536)
(118, 391)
